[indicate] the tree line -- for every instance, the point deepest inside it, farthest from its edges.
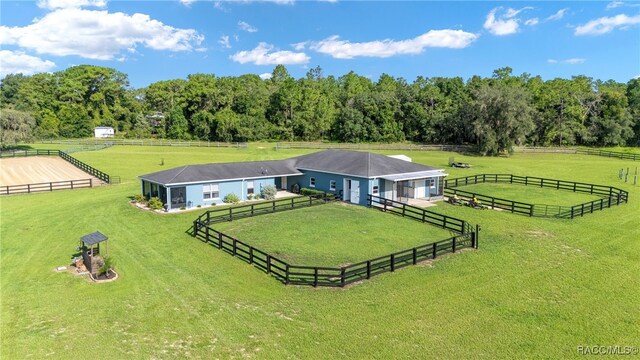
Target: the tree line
(494, 113)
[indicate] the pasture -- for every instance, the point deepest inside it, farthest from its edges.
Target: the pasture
(530, 194)
(332, 234)
(536, 288)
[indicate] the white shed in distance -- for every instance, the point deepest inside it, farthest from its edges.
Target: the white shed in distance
(104, 132)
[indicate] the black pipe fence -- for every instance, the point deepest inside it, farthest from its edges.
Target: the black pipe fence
(146, 142)
(333, 276)
(49, 186)
(611, 154)
(609, 195)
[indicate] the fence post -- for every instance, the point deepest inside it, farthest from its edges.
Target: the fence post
(531, 210)
(90, 183)
(477, 235)
(315, 277)
(208, 216)
(286, 275)
(268, 264)
(234, 246)
(392, 258)
(342, 280)
(292, 203)
(29, 187)
(219, 240)
(434, 250)
(582, 210)
(404, 210)
(415, 256)
(195, 228)
(230, 214)
(206, 232)
(250, 254)
(273, 206)
(50, 187)
(454, 244)
(572, 212)
(368, 269)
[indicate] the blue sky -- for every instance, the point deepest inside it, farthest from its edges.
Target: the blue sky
(161, 40)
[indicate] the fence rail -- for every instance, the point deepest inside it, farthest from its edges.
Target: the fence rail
(25, 153)
(418, 213)
(89, 169)
(611, 154)
(330, 276)
(609, 195)
(49, 186)
(262, 208)
(322, 145)
(146, 142)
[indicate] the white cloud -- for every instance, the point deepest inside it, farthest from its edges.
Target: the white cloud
(605, 25)
(263, 55)
(247, 27)
(15, 62)
(299, 46)
(265, 76)
(97, 35)
(532, 22)
(558, 15)
(614, 4)
(571, 61)
(66, 4)
(224, 41)
(187, 2)
(500, 22)
(344, 49)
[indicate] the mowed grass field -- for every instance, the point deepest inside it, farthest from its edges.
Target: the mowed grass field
(332, 235)
(536, 288)
(530, 194)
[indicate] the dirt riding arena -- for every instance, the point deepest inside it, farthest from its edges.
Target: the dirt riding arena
(40, 169)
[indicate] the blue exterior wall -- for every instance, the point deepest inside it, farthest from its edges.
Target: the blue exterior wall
(323, 182)
(238, 187)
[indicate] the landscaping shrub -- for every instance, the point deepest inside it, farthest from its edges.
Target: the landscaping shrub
(155, 203)
(310, 192)
(139, 198)
(231, 199)
(107, 264)
(269, 192)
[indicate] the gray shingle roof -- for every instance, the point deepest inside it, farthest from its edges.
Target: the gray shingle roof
(93, 238)
(364, 164)
(223, 171)
(355, 163)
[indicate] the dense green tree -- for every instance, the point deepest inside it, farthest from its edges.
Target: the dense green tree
(15, 126)
(178, 125)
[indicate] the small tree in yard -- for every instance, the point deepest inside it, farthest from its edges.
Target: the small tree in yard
(107, 264)
(269, 192)
(155, 203)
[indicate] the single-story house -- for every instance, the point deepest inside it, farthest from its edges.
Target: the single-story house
(353, 174)
(103, 132)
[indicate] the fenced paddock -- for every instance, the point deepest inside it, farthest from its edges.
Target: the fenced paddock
(608, 195)
(465, 236)
(40, 169)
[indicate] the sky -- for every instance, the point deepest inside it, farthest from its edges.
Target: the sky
(161, 40)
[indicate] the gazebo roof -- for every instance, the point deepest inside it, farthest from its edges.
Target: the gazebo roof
(93, 238)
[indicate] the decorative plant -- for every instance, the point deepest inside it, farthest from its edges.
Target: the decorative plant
(107, 265)
(231, 199)
(269, 192)
(139, 198)
(155, 203)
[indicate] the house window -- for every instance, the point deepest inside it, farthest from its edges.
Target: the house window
(332, 185)
(376, 189)
(312, 182)
(430, 183)
(210, 192)
(249, 187)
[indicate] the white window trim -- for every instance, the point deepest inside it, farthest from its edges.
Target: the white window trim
(312, 182)
(211, 192)
(373, 189)
(332, 185)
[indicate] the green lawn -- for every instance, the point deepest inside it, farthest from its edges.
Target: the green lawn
(536, 288)
(331, 235)
(530, 194)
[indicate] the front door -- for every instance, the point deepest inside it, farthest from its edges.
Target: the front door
(178, 197)
(347, 190)
(283, 183)
(355, 191)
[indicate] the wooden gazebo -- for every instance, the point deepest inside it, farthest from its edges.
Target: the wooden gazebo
(90, 245)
